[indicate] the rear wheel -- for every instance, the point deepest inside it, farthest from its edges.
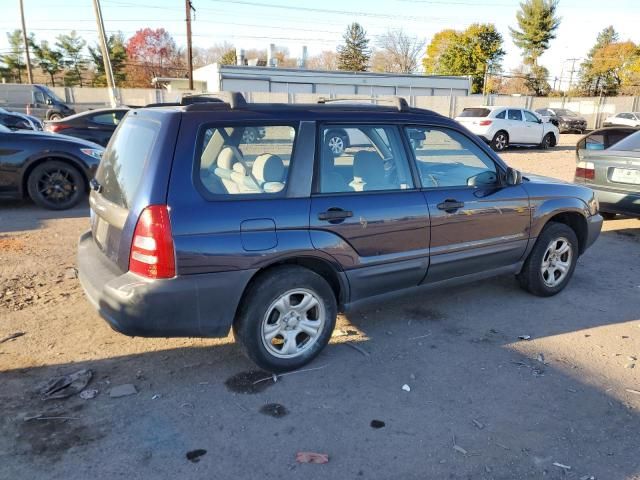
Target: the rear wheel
(500, 141)
(552, 261)
(286, 318)
(337, 142)
(547, 141)
(56, 185)
(55, 116)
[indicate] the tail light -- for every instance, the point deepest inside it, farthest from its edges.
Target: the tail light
(484, 123)
(586, 170)
(54, 127)
(152, 247)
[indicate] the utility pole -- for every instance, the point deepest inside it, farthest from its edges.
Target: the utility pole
(573, 65)
(484, 82)
(189, 7)
(26, 44)
(104, 48)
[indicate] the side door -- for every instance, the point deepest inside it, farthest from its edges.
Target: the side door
(517, 128)
(534, 129)
(367, 212)
(478, 223)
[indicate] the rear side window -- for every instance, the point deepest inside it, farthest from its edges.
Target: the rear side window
(245, 160)
(502, 114)
(629, 144)
(123, 162)
(475, 112)
(111, 118)
(514, 115)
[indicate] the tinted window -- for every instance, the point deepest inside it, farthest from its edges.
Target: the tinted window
(449, 159)
(123, 162)
(514, 115)
(564, 112)
(502, 114)
(38, 96)
(110, 118)
(475, 112)
(246, 160)
(628, 144)
(373, 160)
(530, 117)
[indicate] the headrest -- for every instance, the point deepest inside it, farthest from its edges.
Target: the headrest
(227, 157)
(368, 166)
(268, 168)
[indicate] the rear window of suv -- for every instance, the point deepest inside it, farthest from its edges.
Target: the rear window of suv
(121, 167)
(475, 112)
(246, 160)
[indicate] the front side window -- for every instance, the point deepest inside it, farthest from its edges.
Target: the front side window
(449, 159)
(366, 158)
(38, 96)
(245, 160)
(530, 117)
(515, 115)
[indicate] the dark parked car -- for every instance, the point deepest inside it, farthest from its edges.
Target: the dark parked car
(14, 122)
(53, 170)
(195, 231)
(612, 169)
(94, 125)
(566, 120)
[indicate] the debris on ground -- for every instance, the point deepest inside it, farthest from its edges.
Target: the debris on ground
(12, 336)
(274, 410)
(588, 477)
(630, 365)
(561, 465)
(359, 349)
(630, 390)
(66, 385)
(275, 377)
(42, 417)
(377, 424)
(541, 358)
(156, 396)
(123, 390)
(524, 337)
(194, 455)
(312, 457)
(70, 273)
(457, 447)
(88, 394)
(477, 424)
(406, 388)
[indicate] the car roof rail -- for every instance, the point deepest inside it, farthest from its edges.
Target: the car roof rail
(208, 101)
(399, 102)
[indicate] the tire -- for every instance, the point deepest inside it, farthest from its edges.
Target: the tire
(544, 282)
(249, 135)
(608, 215)
(260, 316)
(337, 142)
(56, 185)
(55, 116)
(547, 141)
(500, 141)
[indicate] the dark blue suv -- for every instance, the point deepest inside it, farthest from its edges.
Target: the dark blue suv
(195, 229)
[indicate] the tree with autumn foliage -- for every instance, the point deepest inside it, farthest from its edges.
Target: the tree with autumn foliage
(152, 53)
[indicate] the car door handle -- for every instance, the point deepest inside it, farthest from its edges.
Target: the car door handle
(335, 214)
(450, 205)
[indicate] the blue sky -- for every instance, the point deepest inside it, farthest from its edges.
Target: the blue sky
(319, 25)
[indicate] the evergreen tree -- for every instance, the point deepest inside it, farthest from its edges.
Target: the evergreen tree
(48, 59)
(118, 56)
(71, 47)
(354, 55)
(14, 60)
(538, 23)
(228, 57)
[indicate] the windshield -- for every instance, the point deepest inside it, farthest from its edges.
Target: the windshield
(565, 113)
(52, 95)
(628, 144)
(475, 112)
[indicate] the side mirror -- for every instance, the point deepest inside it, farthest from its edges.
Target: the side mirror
(513, 177)
(482, 179)
(48, 101)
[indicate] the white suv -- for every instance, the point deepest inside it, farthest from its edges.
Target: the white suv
(504, 126)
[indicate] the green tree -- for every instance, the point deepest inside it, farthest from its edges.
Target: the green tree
(354, 55)
(71, 46)
(118, 56)
(536, 80)
(469, 52)
(14, 60)
(48, 59)
(538, 23)
(229, 57)
(592, 83)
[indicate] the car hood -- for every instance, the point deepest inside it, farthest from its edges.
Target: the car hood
(566, 118)
(57, 136)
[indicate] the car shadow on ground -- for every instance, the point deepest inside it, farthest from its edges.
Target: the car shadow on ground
(524, 150)
(477, 406)
(24, 215)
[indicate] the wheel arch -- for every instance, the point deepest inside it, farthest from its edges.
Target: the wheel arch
(575, 220)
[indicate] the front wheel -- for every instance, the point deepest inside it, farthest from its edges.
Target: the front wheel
(547, 141)
(552, 261)
(500, 141)
(56, 185)
(286, 318)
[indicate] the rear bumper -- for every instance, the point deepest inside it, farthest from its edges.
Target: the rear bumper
(615, 201)
(184, 306)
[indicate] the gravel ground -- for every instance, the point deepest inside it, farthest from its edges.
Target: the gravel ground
(482, 404)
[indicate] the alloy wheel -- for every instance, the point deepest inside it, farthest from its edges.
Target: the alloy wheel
(57, 186)
(556, 261)
(336, 144)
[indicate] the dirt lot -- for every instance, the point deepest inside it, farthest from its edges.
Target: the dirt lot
(483, 404)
